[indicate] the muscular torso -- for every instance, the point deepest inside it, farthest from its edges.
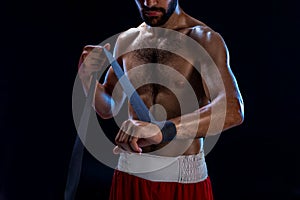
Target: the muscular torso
(169, 85)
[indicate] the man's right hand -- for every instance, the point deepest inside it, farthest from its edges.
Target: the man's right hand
(135, 134)
(91, 60)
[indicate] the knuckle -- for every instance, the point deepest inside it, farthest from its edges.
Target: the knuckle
(88, 47)
(119, 143)
(125, 122)
(85, 52)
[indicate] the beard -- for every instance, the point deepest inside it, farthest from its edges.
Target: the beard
(159, 20)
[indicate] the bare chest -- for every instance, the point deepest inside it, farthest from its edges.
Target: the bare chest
(158, 67)
(161, 75)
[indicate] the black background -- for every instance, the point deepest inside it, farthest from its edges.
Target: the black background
(40, 46)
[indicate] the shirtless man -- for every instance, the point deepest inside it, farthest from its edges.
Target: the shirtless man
(141, 143)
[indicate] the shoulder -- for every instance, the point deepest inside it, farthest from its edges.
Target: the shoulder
(125, 39)
(211, 40)
(205, 35)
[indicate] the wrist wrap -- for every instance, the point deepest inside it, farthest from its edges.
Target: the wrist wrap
(168, 130)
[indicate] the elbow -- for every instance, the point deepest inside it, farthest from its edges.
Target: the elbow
(104, 106)
(104, 113)
(236, 113)
(239, 116)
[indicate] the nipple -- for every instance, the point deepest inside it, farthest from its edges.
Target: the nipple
(158, 112)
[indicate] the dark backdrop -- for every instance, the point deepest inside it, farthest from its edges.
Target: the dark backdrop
(40, 45)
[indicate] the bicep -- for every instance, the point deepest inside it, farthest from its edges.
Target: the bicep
(218, 76)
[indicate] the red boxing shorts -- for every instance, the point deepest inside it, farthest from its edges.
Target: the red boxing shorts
(129, 187)
(182, 178)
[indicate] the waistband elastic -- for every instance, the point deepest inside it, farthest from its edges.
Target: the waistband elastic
(182, 169)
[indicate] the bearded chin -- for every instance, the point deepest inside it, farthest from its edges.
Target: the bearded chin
(155, 21)
(159, 21)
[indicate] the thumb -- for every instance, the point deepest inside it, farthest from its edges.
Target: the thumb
(107, 46)
(142, 142)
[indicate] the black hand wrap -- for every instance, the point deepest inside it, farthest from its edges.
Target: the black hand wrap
(168, 130)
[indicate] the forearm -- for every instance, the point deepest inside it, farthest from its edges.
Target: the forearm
(209, 120)
(103, 103)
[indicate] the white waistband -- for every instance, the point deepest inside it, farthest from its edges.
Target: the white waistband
(182, 169)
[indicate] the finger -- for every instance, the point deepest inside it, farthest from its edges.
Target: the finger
(124, 137)
(125, 147)
(123, 141)
(107, 46)
(82, 58)
(90, 47)
(134, 145)
(117, 150)
(143, 143)
(117, 138)
(123, 133)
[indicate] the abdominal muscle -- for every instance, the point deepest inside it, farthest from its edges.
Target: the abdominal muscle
(176, 148)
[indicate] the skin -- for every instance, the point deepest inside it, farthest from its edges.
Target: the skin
(139, 136)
